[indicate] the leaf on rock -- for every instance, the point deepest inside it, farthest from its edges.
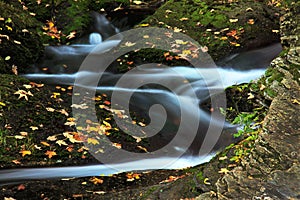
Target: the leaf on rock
(92, 141)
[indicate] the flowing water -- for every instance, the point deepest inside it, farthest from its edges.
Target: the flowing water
(236, 69)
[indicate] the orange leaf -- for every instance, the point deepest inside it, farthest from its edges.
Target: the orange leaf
(106, 102)
(96, 180)
(50, 154)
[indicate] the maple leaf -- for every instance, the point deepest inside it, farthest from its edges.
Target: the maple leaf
(50, 154)
(25, 152)
(23, 93)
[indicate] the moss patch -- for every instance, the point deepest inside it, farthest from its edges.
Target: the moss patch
(20, 43)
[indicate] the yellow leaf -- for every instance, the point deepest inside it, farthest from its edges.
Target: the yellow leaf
(52, 138)
(25, 152)
(181, 42)
(184, 19)
(34, 128)
(233, 20)
(295, 101)
(7, 58)
(223, 171)
(224, 38)
(2, 104)
(61, 142)
(27, 86)
(8, 27)
(19, 137)
(64, 112)
(17, 42)
(137, 2)
(93, 141)
(50, 109)
(45, 143)
(206, 181)
(186, 52)
(50, 154)
(55, 94)
(144, 25)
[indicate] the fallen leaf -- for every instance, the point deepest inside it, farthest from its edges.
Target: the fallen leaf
(21, 187)
(117, 145)
(233, 20)
(79, 106)
(96, 180)
(52, 138)
(61, 142)
(50, 109)
(250, 96)
(45, 143)
(93, 141)
(206, 181)
(25, 152)
(19, 137)
(129, 44)
(16, 162)
(184, 19)
(23, 93)
(50, 154)
(223, 171)
(34, 128)
(251, 21)
(295, 101)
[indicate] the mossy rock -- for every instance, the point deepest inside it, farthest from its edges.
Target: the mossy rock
(225, 28)
(30, 114)
(21, 44)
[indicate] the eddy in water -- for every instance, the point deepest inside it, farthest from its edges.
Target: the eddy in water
(64, 62)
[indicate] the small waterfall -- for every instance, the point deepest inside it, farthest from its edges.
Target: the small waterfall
(63, 63)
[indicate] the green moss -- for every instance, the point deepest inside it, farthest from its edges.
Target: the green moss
(208, 22)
